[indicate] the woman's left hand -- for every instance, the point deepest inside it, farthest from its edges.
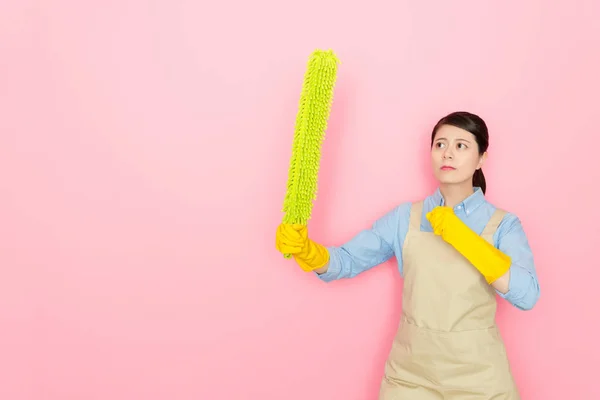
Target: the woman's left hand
(491, 262)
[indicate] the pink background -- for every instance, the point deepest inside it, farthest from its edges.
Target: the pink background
(144, 150)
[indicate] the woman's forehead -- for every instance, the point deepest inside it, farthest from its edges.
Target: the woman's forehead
(450, 132)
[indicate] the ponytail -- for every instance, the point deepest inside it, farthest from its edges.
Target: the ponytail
(479, 180)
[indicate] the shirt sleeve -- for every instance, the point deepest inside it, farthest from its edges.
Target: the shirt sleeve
(369, 248)
(523, 290)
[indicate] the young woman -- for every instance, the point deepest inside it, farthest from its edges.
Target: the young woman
(455, 252)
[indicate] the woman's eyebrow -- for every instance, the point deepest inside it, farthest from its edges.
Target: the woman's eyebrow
(464, 140)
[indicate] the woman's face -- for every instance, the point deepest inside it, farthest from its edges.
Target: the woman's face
(455, 155)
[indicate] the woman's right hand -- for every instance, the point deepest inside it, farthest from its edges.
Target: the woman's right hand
(293, 239)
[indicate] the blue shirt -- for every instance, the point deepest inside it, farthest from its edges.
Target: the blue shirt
(371, 247)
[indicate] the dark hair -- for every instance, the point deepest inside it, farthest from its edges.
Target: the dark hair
(473, 124)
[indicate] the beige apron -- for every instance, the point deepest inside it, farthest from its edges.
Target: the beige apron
(447, 345)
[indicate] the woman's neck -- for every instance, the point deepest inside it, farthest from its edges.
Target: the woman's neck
(455, 193)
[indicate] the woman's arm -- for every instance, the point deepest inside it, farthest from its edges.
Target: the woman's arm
(520, 284)
(322, 270)
(501, 284)
(370, 247)
(507, 266)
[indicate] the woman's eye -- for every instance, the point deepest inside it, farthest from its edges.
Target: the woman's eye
(462, 146)
(439, 145)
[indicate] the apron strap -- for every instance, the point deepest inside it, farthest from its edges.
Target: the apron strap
(416, 212)
(493, 223)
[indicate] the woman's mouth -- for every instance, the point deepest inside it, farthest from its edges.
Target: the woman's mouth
(447, 168)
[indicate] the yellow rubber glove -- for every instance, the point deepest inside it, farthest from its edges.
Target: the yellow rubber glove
(293, 239)
(490, 261)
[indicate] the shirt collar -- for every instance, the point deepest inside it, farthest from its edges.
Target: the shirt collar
(469, 204)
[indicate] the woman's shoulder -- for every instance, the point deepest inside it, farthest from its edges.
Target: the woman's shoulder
(509, 220)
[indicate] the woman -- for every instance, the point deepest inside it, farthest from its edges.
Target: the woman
(455, 252)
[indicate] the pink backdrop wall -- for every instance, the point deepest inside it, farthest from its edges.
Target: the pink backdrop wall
(144, 150)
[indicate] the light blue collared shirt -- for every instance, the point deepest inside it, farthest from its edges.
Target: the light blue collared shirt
(371, 247)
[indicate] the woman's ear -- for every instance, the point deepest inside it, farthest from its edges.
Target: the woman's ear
(482, 159)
